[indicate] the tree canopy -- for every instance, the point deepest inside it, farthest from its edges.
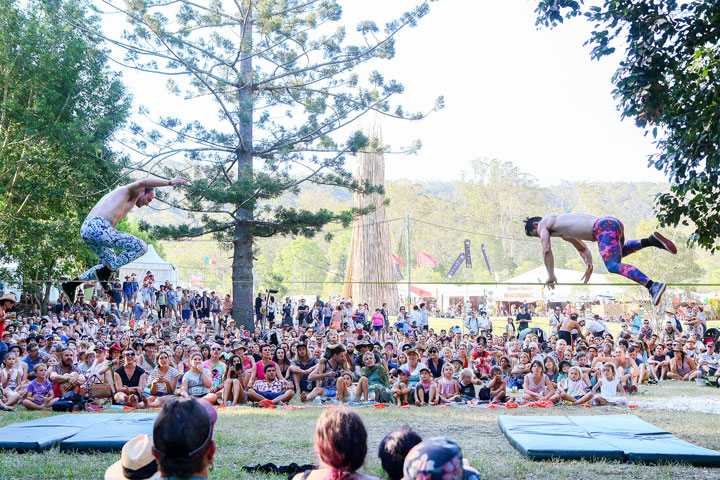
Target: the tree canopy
(59, 109)
(667, 81)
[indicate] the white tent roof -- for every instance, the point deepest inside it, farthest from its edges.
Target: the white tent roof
(561, 293)
(161, 269)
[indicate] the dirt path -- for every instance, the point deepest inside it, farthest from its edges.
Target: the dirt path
(683, 404)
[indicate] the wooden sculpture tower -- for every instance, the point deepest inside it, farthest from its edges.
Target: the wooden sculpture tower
(370, 258)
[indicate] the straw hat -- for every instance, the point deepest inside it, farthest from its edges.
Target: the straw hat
(9, 296)
(136, 461)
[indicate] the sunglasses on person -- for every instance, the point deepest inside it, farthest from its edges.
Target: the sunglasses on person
(215, 349)
(129, 354)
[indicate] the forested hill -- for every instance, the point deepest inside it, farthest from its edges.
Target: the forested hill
(486, 206)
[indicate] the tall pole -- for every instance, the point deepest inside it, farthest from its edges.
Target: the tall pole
(409, 273)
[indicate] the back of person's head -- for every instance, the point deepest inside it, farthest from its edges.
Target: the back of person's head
(341, 441)
(182, 437)
(394, 448)
(437, 459)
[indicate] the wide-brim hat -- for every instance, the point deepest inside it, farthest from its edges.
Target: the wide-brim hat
(136, 460)
(10, 296)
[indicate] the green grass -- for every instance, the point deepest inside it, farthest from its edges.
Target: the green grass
(247, 436)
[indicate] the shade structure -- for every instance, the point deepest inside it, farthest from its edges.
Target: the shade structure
(162, 271)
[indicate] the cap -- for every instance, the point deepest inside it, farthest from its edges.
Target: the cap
(404, 371)
(437, 459)
(456, 359)
(425, 369)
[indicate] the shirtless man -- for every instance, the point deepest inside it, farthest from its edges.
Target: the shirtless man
(609, 233)
(98, 231)
(566, 328)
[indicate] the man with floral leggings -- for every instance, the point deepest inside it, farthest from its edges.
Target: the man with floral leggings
(99, 233)
(609, 232)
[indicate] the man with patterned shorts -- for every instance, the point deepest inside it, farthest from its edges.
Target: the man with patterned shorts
(610, 235)
(99, 233)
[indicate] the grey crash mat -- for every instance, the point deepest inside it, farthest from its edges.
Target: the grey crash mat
(77, 431)
(611, 437)
(110, 436)
(45, 432)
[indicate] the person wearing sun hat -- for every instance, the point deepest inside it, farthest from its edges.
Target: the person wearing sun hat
(437, 459)
(136, 461)
(182, 438)
(7, 303)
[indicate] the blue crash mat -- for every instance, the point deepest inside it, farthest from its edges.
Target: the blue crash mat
(45, 432)
(78, 431)
(612, 437)
(110, 436)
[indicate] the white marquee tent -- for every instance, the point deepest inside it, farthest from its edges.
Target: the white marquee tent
(162, 270)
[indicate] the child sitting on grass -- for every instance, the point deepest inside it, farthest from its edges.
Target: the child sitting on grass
(467, 387)
(400, 390)
(497, 386)
(425, 390)
(537, 386)
(449, 389)
(573, 388)
(40, 394)
(609, 384)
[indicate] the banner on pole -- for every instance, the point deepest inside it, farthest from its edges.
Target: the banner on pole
(398, 272)
(455, 266)
(487, 261)
(196, 280)
(468, 260)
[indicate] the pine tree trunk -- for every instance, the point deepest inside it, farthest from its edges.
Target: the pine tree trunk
(242, 267)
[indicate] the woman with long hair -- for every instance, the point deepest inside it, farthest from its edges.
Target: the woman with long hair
(341, 446)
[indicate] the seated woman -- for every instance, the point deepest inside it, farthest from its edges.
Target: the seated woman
(537, 386)
(234, 382)
(341, 445)
(196, 382)
(130, 382)
(163, 380)
(682, 367)
(377, 378)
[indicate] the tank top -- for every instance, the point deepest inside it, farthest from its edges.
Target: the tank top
(447, 388)
(536, 387)
(133, 381)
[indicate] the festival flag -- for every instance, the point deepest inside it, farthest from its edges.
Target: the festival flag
(468, 260)
(455, 266)
(210, 261)
(425, 259)
(398, 272)
(396, 260)
(487, 260)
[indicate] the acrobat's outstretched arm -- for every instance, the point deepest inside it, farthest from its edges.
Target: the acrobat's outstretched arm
(586, 256)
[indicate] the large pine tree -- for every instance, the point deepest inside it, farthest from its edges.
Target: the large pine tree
(286, 84)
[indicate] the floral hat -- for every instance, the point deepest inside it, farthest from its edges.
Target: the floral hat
(437, 459)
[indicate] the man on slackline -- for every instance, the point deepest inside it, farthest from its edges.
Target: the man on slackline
(609, 233)
(99, 233)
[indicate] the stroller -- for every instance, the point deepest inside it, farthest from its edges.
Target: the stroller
(711, 334)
